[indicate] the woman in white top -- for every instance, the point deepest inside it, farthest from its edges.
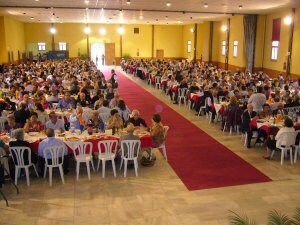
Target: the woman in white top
(273, 144)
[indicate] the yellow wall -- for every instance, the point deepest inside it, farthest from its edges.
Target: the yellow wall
(3, 52)
(188, 36)
(217, 39)
(283, 44)
(141, 42)
(295, 65)
(169, 38)
(237, 34)
(259, 42)
(203, 41)
(11, 38)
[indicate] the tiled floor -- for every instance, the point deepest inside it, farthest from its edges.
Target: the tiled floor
(157, 196)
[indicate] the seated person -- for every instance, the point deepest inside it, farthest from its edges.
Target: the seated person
(266, 113)
(11, 106)
(104, 109)
(115, 101)
(55, 123)
(76, 119)
(136, 120)
(33, 124)
(248, 115)
(19, 135)
(82, 100)
(124, 111)
(67, 102)
(273, 144)
(96, 120)
(157, 131)
(280, 110)
(114, 120)
(48, 142)
(11, 124)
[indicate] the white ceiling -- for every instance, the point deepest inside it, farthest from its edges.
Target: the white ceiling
(152, 11)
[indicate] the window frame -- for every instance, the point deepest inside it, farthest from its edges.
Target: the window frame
(63, 45)
(274, 50)
(41, 46)
(189, 46)
(235, 48)
(223, 48)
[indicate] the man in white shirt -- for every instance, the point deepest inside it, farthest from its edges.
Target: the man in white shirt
(55, 123)
(258, 100)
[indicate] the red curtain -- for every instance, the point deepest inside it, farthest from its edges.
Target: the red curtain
(276, 29)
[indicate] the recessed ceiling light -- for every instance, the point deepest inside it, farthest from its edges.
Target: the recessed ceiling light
(205, 5)
(32, 18)
(240, 6)
(128, 2)
(168, 4)
(141, 17)
(24, 13)
(166, 17)
(87, 2)
(86, 9)
(179, 21)
(36, 0)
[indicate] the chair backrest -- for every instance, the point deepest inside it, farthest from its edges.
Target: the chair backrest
(55, 153)
(182, 92)
(21, 155)
(130, 148)
(109, 146)
(157, 79)
(54, 105)
(83, 149)
(287, 139)
(2, 122)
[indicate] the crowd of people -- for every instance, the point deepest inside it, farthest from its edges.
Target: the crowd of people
(248, 96)
(33, 94)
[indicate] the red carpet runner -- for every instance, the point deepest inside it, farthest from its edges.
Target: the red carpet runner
(200, 161)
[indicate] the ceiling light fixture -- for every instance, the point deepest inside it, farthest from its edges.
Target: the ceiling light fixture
(205, 5)
(128, 2)
(168, 4)
(141, 17)
(87, 2)
(192, 30)
(32, 18)
(52, 30)
(224, 28)
(102, 31)
(87, 30)
(240, 6)
(121, 30)
(287, 20)
(166, 17)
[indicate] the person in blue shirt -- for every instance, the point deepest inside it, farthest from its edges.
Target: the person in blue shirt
(67, 102)
(49, 142)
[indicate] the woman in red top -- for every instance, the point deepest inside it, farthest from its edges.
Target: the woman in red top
(33, 124)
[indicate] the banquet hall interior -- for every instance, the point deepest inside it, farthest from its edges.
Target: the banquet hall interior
(209, 172)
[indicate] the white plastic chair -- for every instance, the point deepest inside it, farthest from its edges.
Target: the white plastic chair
(57, 159)
(157, 82)
(110, 149)
(83, 154)
(130, 151)
(203, 108)
(18, 158)
(285, 144)
(2, 123)
(182, 92)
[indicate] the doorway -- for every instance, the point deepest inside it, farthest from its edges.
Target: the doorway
(97, 54)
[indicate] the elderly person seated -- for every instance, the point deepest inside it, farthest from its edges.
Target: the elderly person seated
(19, 135)
(272, 144)
(266, 113)
(114, 120)
(76, 119)
(248, 115)
(54, 122)
(48, 142)
(136, 120)
(82, 100)
(115, 101)
(33, 124)
(96, 120)
(67, 102)
(11, 124)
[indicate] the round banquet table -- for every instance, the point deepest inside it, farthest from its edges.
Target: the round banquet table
(146, 141)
